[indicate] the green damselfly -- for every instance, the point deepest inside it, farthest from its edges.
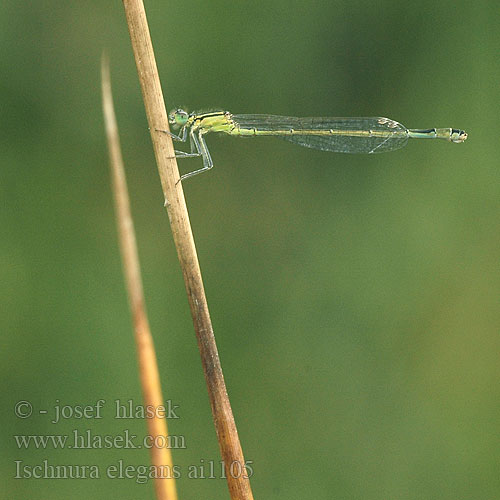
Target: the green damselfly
(342, 135)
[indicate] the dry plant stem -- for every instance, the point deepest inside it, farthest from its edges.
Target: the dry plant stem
(238, 482)
(161, 458)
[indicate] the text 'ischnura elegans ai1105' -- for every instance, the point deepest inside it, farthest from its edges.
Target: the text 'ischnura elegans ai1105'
(342, 135)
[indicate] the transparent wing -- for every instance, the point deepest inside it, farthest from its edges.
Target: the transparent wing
(343, 135)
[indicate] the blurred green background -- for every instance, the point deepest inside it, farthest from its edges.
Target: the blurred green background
(355, 299)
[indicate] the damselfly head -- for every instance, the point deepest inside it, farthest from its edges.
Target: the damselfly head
(178, 117)
(458, 135)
